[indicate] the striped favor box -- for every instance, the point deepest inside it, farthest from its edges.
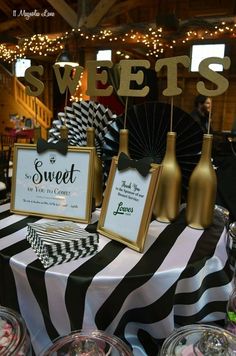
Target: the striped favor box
(58, 242)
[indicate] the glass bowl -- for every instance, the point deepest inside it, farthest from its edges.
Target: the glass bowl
(14, 339)
(199, 339)
(92, 343)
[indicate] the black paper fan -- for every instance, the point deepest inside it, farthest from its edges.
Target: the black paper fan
(148, 124)
(77, 118)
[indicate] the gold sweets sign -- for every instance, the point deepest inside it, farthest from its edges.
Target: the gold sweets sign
(127, 76)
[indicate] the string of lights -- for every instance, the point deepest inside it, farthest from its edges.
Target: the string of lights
(38, 44)
(78, 95)
(154, 40)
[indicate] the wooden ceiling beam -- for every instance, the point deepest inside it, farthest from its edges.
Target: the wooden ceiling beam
(7, 25)
(33, 4)
(68, 14)
(100, 10)
(82, 11)
(20, 21)
(123, 7)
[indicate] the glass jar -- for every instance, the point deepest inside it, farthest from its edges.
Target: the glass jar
(199, 339)
(232, 246)
(94, 343)
(224, 213)
(230, 320)
(14, 339)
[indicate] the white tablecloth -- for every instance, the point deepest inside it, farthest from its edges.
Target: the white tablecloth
(182, 277)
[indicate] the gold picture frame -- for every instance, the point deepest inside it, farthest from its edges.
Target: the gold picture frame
(53, 185)
(127, 205)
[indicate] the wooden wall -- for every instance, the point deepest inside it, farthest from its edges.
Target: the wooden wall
(224, 106)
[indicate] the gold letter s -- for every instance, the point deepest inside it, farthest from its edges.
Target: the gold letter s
(216, 78)
(34, 81)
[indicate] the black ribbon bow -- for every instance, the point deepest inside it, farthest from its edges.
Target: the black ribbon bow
(61, 146)
(142, 165)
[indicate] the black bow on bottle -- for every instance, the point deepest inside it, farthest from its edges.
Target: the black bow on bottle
(142, 165)
(61, 146)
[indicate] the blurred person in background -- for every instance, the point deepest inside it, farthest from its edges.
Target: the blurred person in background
(202, 108)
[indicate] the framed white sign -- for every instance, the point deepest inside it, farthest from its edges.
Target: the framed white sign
(53, 185)
(127, 205)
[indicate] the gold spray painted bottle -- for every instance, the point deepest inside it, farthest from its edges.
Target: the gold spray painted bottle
(124, 142)
(64, 132)
(166, 207)
(202, 189)
(98, 181)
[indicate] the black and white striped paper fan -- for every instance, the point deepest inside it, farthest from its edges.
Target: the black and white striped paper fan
(78, 118)
(148, 124)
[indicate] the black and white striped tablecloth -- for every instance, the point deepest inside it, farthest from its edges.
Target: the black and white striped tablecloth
(182, 277)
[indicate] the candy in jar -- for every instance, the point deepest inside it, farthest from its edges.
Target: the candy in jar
(14, 340)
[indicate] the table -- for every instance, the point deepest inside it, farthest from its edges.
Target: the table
(182, 277)
(23, 133)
